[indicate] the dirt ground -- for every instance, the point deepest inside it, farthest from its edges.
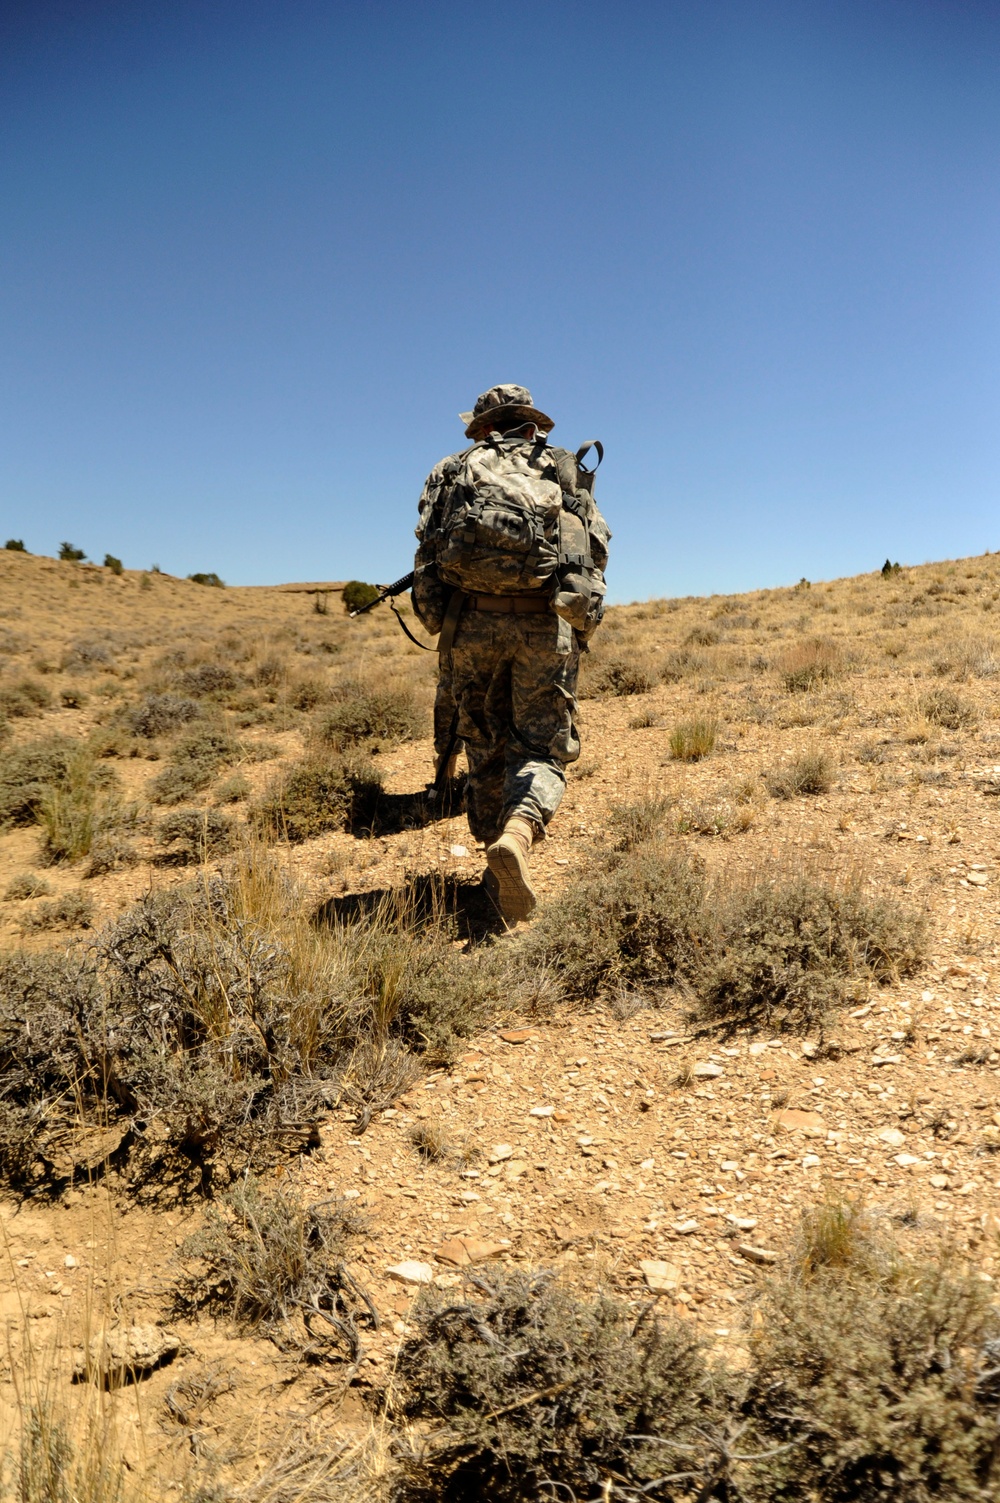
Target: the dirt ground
(607, 1136)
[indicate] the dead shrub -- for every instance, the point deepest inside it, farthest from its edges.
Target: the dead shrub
(263, 1259)
(810, 663)
(362, 713)
(946, 708)
(432, 1141)
(533, 1391)
(873, 1376)
(322, 792)
(691, 740)
(620, 677)
(633, 824)
(810, 772)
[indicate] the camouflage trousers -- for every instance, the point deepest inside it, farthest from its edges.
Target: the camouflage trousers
(513, 679)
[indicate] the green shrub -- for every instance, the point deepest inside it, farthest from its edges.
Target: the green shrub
(946, 708)
(109, 852)
(114, 564)
(232, 790)
(70, 554)
(70, 810)
(210, 679)
(194, 762)
(27, 885)
(159, 714)
(768, 947)
(810, 772)
(29, 773)
(196, 834)
(533, 1392)
(15, 545)
(320, 793)
(369, 714)
(212, 579)
(24, 697)
(783, 950)
(693, 739)
(74, 910)
(873, 1377)
(356, 595)
(216, 1021)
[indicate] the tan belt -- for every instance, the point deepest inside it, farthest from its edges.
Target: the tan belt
(508, 605)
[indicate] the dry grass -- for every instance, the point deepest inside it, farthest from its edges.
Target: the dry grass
(691, 740)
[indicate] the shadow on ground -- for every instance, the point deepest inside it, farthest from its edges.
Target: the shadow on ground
(379, 813)
(425, 898)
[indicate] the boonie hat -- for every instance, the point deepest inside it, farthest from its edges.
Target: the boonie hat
(503, 402)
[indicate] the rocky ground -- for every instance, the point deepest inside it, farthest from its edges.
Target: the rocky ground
(619, 1142)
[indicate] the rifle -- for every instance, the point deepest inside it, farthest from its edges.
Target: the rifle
(389, 593)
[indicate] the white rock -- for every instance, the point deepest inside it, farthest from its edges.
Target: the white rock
(811, 1160)
(707, 1071)
(70, 1261)
(499, 1152)
(541, 1111)
(661, 1278)
(457, 850)
(411, 1272)
(648, 1164)
(893, 1137)
(756, 1254)
(759, 1047)
(685, 1228)
(905, 1160)
(743, 1223)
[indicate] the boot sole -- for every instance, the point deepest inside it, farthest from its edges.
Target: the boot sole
(517, 897)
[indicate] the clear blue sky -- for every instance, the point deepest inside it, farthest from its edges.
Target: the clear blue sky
(254, 258)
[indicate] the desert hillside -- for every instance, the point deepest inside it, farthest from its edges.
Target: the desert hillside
(279, 1092)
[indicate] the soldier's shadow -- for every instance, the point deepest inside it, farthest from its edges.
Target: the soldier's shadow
(422, 900)
(379, 813)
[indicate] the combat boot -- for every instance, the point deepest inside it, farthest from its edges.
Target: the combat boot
(507, 859)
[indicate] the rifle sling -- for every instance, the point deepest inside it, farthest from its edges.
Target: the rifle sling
(413, 639)
(450, 625)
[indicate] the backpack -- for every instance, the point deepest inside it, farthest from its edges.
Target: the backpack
(509, 526)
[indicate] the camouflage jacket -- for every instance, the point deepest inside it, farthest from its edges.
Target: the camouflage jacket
(431, 593)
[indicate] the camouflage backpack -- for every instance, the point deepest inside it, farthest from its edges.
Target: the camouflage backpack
(506, 528)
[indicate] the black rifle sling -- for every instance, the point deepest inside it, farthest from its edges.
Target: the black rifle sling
(413, 639)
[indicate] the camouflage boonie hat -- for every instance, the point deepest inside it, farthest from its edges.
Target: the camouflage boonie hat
(506, 402)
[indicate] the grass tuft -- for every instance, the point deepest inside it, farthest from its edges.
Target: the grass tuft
(691, 740)
(809, 773)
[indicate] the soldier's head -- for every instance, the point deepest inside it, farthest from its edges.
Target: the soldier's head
(502, 409)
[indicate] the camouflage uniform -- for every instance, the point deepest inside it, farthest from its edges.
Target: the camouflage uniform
(512, 677)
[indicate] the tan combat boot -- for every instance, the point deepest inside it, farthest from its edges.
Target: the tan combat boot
(507, 859)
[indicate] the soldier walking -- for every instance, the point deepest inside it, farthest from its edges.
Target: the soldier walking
(510, 571)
